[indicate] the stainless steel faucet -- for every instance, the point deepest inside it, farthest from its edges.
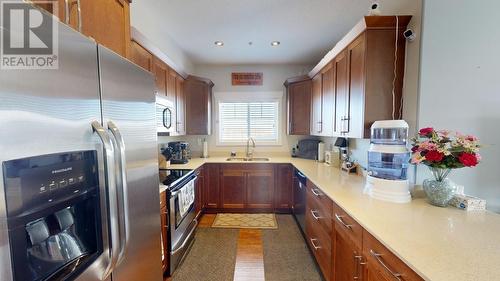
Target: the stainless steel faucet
(249, 152)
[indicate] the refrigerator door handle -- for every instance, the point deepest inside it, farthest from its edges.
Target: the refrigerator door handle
(109, 168)
(122, 171)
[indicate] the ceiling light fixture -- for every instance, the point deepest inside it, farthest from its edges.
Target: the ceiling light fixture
(219, 43)
(275, 43)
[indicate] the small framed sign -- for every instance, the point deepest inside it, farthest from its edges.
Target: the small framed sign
(247, 78)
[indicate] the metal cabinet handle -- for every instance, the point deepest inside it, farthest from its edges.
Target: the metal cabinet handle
(315, 215)
(67, 11)
(358, 262)
(339, 218)
(109, 168)
(122, 171)
(314, 244)
(381, 262)
(316, 192)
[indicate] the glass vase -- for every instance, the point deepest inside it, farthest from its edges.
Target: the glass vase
(440, 189)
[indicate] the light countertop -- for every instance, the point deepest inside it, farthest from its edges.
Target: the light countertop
(437, 243)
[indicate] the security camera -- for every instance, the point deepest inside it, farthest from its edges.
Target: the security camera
(374, 9)
(409, 35)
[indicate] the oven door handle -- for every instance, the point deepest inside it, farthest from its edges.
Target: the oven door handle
(175, 193)
(185, 240)
(124, 203)
(112, 204)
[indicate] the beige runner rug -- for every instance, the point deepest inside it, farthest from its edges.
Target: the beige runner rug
(255, 221)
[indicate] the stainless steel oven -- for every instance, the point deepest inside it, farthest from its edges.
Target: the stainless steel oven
(164, 116)
(182, 218)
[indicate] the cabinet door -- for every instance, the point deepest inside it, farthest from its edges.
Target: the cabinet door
(316, 116)
(140, 56)
(328, 101)
(180, 106)
(299, 108)
(159, 70)
(211, 194)
(284, 195)
(164, 239)
(199, 185)
(108, 22)
(346, 260)
(356, 54)
(198, 95)
(233, 187)
(260, 189)
(341, 80)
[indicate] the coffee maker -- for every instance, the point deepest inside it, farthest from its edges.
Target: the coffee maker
(180, 152)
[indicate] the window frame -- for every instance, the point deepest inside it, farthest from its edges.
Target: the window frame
(239, 97)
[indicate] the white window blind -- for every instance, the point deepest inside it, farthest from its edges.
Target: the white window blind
(240, 120)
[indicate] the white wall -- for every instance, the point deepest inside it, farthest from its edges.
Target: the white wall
(144, 15)
(460, 85)
(274, 77)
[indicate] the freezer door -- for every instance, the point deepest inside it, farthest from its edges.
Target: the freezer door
(128, 108)
(50, 111)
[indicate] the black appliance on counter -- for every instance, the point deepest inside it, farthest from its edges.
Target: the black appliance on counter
(308, 149)
(299, 199)
(180, 152)
(181, 212)
(53, 215)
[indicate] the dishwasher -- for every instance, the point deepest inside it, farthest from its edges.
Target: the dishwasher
(299, 199)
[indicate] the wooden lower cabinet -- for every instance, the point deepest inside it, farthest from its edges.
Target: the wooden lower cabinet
(233, 187)
(346, 256)
(260, 189)
(164, 232)
(199, 186)
(319, 228)
(211, 190)
(283, 195)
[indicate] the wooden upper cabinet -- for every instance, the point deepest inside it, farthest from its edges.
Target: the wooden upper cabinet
(180, 106)
(160, 70)
(356, 57)
(140, 56)
(198, 96)
(327, 101)
(317, 106)
(106, 21)
(299, 106)
(171, 84)
(341, 93)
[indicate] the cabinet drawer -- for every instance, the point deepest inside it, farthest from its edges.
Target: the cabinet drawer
(347, 226)
(319, 211)
(320, 243)
(319, 199)
(383, 264)
(163, 199)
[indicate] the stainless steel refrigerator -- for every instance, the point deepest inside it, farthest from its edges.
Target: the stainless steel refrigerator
(95, 104)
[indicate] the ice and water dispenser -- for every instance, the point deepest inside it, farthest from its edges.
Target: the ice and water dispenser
(388, 161)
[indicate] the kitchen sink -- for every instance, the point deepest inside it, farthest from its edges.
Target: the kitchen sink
(244, 159)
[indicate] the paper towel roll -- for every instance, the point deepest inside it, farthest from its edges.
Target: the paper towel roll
(321, 152)
(205, 149)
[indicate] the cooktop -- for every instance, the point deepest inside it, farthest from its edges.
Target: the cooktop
(169, 177)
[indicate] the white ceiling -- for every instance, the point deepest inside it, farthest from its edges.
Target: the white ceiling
(307, 29)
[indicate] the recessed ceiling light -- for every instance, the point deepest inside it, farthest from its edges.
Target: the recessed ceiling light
(275, 43)
(219, 43)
